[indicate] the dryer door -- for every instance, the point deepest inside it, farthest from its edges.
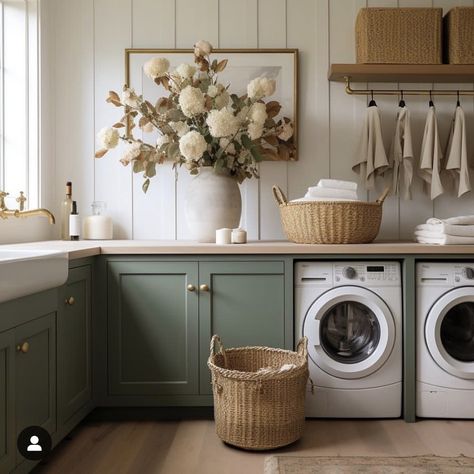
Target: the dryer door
(351, 332)
(449, 332)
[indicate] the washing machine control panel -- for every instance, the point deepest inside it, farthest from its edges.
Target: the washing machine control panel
(445, 274)
(376, 273)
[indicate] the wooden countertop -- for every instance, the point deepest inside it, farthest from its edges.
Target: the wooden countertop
(89, 248)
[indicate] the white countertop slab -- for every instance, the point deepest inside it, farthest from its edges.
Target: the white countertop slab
(89, 248)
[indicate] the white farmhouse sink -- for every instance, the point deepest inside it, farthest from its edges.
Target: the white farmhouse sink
(24, 272)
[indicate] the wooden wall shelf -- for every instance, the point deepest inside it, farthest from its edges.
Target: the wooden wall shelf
(408, 73)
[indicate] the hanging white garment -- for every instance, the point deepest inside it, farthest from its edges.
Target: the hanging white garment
(370, 159)
(401, 155)
(456, 153)
(430, 156)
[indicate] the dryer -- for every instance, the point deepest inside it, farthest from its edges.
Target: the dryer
(445, 340)
(351, 313)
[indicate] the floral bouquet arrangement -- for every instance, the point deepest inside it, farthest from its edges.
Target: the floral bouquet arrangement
(200, 123)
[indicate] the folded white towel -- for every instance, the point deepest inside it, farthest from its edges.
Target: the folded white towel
(330, 193)
(458, 220)
(314, 199)
(449, 229)
(443, 239)
(337, 184)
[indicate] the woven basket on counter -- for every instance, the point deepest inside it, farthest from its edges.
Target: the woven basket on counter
(330, 222)
(258, 410)
(399, 35)
(459, 35)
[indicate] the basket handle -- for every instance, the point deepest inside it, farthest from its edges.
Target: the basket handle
(384, 194)
(216, 347)
(279, 195)
(302, 347)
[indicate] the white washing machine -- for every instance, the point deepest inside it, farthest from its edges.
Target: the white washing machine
(445, 340)
(351, 313)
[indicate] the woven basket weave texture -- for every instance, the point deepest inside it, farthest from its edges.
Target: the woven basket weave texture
(255, 410)
(458, 33)
(399, 36)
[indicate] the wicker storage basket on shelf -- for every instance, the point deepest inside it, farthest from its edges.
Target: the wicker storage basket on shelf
(399, 35)
(330, 222)
(459, 35)
(258, 410)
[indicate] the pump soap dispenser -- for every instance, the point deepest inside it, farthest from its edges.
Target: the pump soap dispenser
(98, 226)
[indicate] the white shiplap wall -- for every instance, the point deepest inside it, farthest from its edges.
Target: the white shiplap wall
(90, 38)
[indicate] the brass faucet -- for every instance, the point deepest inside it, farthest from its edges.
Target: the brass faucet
(5, 213)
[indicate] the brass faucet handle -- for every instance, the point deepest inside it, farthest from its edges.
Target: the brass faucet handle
(21, 199)
(3, 195)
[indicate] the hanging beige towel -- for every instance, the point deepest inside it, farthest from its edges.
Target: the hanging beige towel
(370, 159)
(430, 156)
(456, 153)
(401, 155)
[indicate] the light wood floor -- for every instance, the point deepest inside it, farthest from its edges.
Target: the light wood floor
(181, 447)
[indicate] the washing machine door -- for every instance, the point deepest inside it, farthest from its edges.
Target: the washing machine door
(449, 332)
(351, 332)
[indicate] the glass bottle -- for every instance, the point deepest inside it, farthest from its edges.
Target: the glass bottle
(66, 209)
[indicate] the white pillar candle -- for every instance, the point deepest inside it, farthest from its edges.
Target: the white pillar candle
(223, 236)
(239, 236)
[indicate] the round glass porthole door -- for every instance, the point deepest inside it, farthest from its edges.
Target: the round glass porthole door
(350, 332)
(449, 332)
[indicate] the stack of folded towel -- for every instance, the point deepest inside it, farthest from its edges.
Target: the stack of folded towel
(452, 231)
(331, 190)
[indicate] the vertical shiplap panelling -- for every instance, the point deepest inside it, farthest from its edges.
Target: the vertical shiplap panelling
(387, 105)
(194, 21)
(420, 207)
(238, 29)
(154, 213)
(313, 126)
(448, 204)
(74, 101)
(272, 33)
(346, 112)
(113, 182)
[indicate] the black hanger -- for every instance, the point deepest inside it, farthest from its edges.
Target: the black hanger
(458, 103)
(372, 101)
(430, 103)
(402, 102)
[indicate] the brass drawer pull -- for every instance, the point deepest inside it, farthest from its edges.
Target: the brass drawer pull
(23, 347)
(191, 287)
(70, 301)
(204, 287)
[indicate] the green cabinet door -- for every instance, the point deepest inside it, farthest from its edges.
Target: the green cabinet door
(35, 374)
(244, 305)
(152, 328)
(7, 410)
(74, 344)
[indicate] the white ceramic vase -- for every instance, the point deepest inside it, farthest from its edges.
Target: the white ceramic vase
(212, 202)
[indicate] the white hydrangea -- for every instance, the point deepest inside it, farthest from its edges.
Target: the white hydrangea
(180, 128)
(260, 87)
(133, 152)
(258, 113)
(255, 130)
(192, 145)
(227, 145)
(185, 71)
(222, 123)
(129, 97)
(212, 91)
(108, 137)
(162, 140)
(202, 48)
(156, 67)
(191, 101)
(286, 132)
(222, 100)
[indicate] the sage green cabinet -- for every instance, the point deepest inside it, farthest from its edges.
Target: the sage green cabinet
(74, 365)
(35, 374)
(7, 407)
(244, 304)
(152, 328)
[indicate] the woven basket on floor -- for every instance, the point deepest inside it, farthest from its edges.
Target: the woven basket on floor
(258, 410)
(330, 222)
(399, 35)
(458, 32)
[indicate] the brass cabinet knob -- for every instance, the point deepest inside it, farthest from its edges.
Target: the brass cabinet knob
(191, 287)
(70, 301)
(204, 287)
(24, 347)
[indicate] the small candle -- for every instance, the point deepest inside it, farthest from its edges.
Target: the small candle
(223, 236)
(239, 236)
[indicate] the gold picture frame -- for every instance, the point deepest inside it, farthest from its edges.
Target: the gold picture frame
(280, 64)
